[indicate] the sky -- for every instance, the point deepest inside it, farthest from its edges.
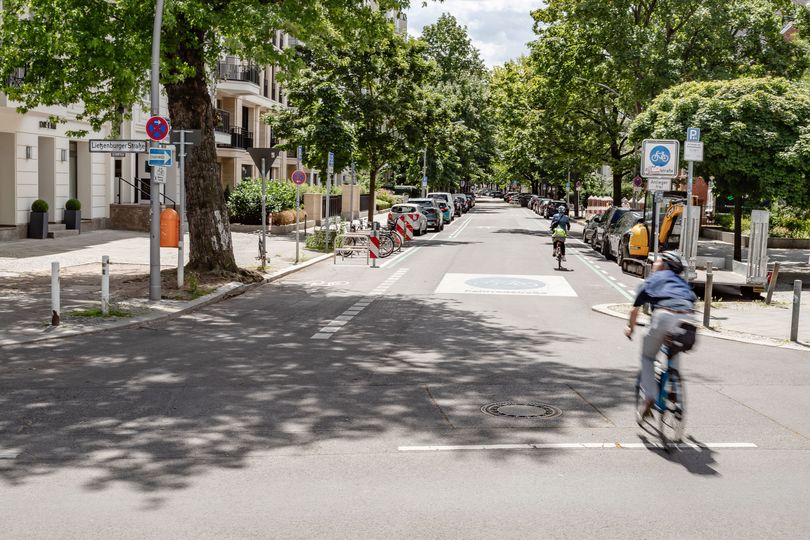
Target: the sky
(499, 29)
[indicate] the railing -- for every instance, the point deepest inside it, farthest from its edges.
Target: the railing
(335, 205)
(16, 79)
(235, 70)
(241, 138)
(142, 189)
(223, 121)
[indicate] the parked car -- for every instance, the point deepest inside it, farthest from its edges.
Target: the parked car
(539, 205)
(427, 201)
(420, 225)
(600, 236)
(434, 217)
(471, 198)
(616, 234)
(590, 228)
(464, 204)
(508, 196)
(448, 212)
(524, 198)
(551, 208)
(496, 194)
(442, 196)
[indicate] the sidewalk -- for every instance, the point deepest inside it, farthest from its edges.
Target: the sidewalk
(25, 281)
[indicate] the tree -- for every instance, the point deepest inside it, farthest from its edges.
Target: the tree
(374, 79)
(97, 53)
(603, 62)
(756, 135)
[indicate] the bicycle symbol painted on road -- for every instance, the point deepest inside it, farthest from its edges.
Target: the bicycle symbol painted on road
(660, 156)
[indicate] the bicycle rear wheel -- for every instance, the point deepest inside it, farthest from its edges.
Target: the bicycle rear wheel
(397, 239)
(672, 420)
(386, 246)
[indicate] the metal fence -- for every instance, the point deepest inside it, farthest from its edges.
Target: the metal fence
(335, 205)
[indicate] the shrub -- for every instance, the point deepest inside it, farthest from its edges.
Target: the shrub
(386, 196)
(39, 206)
(383, 205)
(287, 217)
(245, 202)
(73, 204)
(317, 241)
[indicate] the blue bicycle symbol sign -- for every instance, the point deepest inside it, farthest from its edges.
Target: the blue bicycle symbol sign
(660, 156)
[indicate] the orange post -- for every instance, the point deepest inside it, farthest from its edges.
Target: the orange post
(169, 228)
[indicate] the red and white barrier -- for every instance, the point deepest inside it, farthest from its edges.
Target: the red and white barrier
(374, 246)
(407, 226)
(400, 227)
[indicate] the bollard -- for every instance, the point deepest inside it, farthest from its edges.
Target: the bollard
(797, 302)
(55, 304)
(707, 296)
(105, 285)
(772, 283)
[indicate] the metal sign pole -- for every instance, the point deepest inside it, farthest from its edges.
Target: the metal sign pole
(181, 252)
(154, 188)
(656, 216)
(264, 216)
(298, 207)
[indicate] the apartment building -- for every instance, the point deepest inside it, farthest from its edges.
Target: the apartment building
(39, 160)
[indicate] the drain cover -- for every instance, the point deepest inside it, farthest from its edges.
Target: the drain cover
(521, 410)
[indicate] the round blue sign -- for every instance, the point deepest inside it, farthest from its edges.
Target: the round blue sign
(660, 156)
(505, 283)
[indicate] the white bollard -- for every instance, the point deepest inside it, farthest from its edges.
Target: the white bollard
(797, 304)
(105, 285)
(55, 304)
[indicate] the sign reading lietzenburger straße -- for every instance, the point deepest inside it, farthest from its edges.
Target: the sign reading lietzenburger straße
(107, 146)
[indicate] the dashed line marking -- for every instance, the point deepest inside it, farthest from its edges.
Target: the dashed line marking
(335, 325)
(577, 446)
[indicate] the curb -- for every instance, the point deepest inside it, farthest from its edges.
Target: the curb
(604, 309)
(229, 290)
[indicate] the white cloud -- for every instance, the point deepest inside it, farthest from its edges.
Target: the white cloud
(500, 29)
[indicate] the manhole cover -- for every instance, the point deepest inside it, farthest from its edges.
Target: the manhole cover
(521, 410)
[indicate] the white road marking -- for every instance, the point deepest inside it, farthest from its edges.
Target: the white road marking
(335, 325)
(575, 446)
(460, 229)
(505, 284)
(596, 271)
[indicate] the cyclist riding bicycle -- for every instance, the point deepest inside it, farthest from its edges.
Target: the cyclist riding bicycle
(560, 225)
(672, 301)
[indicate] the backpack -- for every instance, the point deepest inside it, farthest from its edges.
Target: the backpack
(683, 338)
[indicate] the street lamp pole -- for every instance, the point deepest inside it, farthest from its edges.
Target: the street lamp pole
(154, 187)
(424, 172)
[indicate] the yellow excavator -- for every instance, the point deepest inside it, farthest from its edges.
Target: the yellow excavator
(639, 244)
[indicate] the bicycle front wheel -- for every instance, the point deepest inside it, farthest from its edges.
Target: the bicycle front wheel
(672, 420)
(386, 246)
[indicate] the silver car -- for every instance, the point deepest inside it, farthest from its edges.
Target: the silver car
(420, 224)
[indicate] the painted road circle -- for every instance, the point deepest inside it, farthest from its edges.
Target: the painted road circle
(505, 283)
(521, 410)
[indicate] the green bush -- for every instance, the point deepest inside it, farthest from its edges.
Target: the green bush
(39, 206)
(73, 204)
(785, 222)
(383, 205)
(317, 241)
(245, 202)
(386, 196)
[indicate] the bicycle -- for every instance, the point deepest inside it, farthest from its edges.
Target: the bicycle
(558, 253)
(670, 403)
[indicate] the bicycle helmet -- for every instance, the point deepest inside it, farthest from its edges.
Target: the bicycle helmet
(673, 261)
(561, 209)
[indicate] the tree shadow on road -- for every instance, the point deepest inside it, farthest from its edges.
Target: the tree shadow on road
(157, 406)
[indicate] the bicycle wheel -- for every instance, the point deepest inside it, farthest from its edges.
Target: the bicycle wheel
(397, 239)
(386, 246)
(672, 419)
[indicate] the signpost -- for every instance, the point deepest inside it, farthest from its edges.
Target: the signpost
(693, 151)
(157, 128)
(260, 157)
(106, 146)
(183, 138)
(330, 169)
(659, 164)
(161, 157)
(298, 178)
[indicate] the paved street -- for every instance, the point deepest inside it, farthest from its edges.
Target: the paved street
(346, 402)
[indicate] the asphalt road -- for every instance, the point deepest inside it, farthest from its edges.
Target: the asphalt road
(345, 402)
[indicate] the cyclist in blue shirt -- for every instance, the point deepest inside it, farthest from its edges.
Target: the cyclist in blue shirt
(672, 300)
(560, 220)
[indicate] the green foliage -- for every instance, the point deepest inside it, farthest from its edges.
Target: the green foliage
(97, 313)
(73, 204)
(388, 197)
(39, 206)
(756, 134)
(245, 203)
(317, 241)
(383, 205)
(785, 222)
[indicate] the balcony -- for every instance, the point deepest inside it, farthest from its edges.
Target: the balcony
(17, 77)
(241, 138)
(237, 78)
(222, 127)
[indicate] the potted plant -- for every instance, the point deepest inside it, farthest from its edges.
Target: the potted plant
(38, 224)
(73, 214)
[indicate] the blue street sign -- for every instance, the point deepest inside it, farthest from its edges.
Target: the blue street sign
(331, 163)
(300, 153)
(161, 157)
(424, 181)
(693, 134)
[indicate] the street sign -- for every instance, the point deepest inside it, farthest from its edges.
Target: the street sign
(157, 128)
(268, 154)
(693, 151)
(118, 154)
(638, 181)
(424, 181)
(659, 184)
(659, 197)
(300, 154)
(330, 166)
(299, 177)
(161, 157)
(693, 134)
(579, 185)
(193, 136)
(660, 158)
(132, 147)
(159, 175)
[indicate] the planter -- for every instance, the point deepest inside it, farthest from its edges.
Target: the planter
(73, 219)
(38, 225)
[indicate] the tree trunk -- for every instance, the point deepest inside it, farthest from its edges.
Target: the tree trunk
(617, 188)
(372, 188)
(190, 107)
(535, 187)
(738, 228)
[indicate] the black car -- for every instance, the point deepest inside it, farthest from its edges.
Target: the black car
(551, 208)
(600, 242)
(616, 247)
(524, 199)
(497, 194)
